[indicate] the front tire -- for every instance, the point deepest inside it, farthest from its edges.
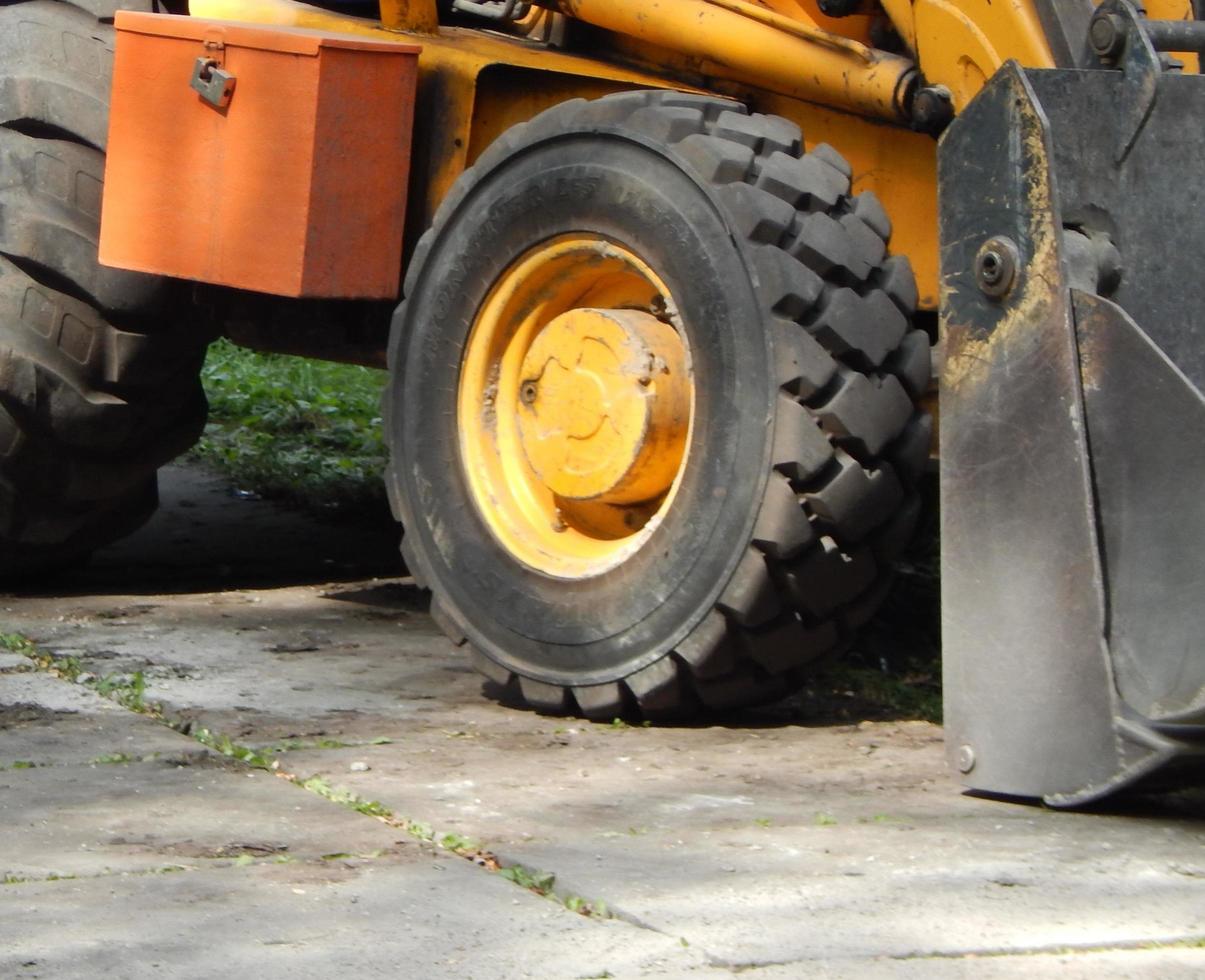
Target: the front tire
(769, 538)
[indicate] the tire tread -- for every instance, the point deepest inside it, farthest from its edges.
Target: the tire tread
(843, 456)
(97, 389)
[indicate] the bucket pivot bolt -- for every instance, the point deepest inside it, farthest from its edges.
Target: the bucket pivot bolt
(1107, 36)
(932, 109)
(996, 266)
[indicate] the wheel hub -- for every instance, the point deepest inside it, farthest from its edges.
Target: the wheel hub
(604, 405)
(575, 404)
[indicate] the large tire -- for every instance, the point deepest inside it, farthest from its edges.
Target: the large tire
(798, 486)
(96, 389)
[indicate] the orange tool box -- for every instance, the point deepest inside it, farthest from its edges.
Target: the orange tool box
(267, 158)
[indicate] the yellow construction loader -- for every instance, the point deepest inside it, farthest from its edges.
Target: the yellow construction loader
(659, 284)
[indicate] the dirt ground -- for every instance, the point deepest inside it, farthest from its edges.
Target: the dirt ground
(773, 843)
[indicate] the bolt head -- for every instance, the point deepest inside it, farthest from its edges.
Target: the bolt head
(996, 266)
(966, 758)
(1106, 34)
(932, 108)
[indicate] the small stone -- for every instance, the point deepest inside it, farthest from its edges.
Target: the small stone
(359, 767)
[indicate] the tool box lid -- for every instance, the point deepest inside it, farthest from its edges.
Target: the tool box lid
(261, 37)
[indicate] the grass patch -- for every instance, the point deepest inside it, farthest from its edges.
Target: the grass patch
(295, 429)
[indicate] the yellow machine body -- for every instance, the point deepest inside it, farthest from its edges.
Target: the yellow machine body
(625, 491)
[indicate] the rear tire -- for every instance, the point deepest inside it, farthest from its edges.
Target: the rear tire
(798, 487)
(97, 389)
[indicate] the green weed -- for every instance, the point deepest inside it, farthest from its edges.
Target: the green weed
(540, 882)
(595, 908)
(452, 841)
(67, 668)
(16, 643)
(230, 749)
(128, 690)
(344, 797)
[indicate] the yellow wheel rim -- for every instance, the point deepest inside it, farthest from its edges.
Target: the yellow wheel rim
(574, 406)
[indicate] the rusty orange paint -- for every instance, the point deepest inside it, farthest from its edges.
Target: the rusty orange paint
(291, 189)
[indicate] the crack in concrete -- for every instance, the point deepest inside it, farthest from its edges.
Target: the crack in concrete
(182, 759)
(69, 670)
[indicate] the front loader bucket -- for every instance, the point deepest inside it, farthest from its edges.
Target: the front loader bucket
(1073, 433)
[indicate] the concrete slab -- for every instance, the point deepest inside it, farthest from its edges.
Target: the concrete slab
(758, 863)
(765, 844)
(1133, 964)
(12, 661)
(46, 722)
(107, 819)
(301, 921)
(338, 668)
